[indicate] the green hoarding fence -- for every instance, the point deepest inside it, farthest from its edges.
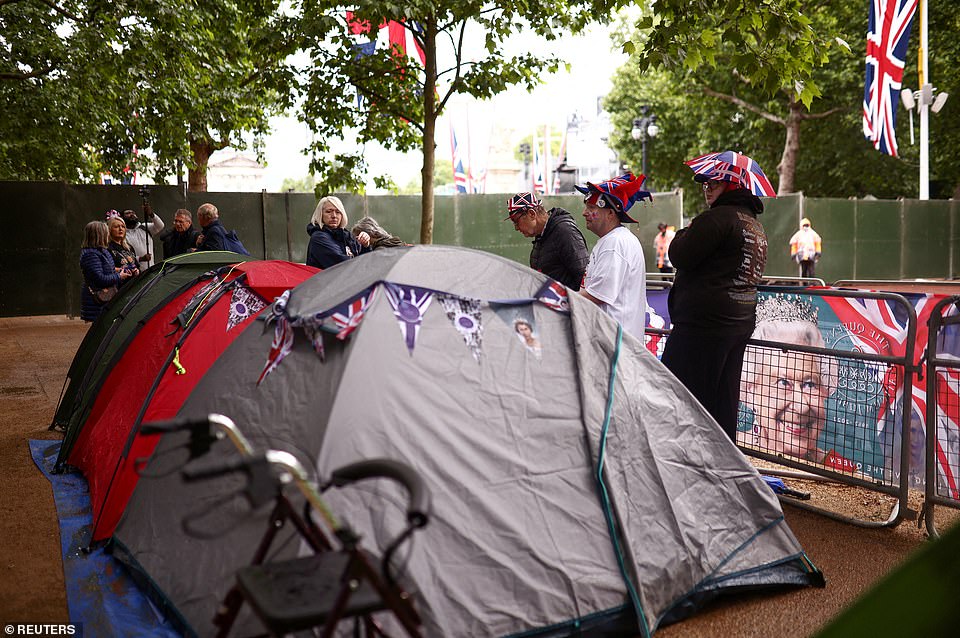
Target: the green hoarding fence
(862, 239)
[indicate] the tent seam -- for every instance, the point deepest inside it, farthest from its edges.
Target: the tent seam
(604, 496)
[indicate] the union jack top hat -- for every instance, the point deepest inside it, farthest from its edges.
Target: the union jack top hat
(619, 193)
(521, 202)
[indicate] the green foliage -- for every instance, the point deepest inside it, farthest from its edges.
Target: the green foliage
(86, 83)
(777, 46)
(834, 159)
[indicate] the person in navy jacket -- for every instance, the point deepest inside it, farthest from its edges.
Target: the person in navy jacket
(96, 263)
(330, 240)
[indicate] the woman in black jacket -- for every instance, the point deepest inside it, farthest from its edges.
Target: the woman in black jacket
(719, 260)
(330, 241)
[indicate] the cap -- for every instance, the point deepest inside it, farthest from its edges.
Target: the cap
(521, 202)
(619, 193)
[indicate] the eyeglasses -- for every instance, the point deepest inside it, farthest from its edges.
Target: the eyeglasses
(516, 216)
(711, 184)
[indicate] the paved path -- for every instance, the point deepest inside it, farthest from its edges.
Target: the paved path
(35, 354)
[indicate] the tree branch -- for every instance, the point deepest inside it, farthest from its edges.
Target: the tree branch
(827, 113)
(27, 76)
(733, 99)
(62, 12)
(458, 54)
(381, 100)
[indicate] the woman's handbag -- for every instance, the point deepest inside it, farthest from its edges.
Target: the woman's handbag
(103, 295)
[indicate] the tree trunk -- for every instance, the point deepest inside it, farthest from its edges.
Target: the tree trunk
(429, 129)
(787, 168)
(197, 174)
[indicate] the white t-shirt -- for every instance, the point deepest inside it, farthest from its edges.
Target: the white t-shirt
(616, 275)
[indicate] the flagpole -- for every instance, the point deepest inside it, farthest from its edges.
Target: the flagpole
(926, 97)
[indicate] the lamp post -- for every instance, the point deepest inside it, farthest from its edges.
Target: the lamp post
(644, 127)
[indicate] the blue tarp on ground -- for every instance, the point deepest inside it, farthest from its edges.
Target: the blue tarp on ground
(100, 593)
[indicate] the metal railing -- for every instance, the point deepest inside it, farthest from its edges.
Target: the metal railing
(832, 399)
(942, 436)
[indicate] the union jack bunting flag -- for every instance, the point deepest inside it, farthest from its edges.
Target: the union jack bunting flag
(887, 36)
(553, 295)
(348, 315)
(280, 348)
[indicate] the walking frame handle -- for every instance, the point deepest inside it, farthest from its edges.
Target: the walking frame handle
(199, 427)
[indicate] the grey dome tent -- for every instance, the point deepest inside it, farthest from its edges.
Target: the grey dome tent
(578, 488)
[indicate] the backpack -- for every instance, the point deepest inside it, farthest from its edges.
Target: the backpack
(232, 243)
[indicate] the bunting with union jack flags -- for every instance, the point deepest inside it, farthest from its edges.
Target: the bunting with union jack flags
(887, 36)
(348, 315)
(553, 295)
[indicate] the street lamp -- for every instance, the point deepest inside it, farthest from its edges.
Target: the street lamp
(644, 127)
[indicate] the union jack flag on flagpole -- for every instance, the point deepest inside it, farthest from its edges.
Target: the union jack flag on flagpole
(887, 36)
(459, 174)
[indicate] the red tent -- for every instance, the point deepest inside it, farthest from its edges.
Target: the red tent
(159, 367)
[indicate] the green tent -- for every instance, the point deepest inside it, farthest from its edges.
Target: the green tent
(117, 324)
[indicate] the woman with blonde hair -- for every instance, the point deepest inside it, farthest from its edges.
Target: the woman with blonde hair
(330, 241)
(96, 264)
(123, 256)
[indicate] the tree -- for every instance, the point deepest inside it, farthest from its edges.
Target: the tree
(205, 74)
(395, 101)
(59, 77)
(87, 86)
(714, 108)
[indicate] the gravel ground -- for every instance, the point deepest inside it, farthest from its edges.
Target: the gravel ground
(35, 353)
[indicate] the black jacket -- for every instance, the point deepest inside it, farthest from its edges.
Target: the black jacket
(177, 243)
(560, 251)
(719, 259)
(330, 246)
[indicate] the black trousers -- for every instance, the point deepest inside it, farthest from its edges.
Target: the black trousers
(807, 268)
(709, 365)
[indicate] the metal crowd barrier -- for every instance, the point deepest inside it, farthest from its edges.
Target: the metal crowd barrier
(851, 429)
(942, 470)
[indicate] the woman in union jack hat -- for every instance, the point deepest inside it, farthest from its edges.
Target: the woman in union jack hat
(719, 260)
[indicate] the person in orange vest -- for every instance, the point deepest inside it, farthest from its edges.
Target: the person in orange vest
(661, 246)
(805, 248)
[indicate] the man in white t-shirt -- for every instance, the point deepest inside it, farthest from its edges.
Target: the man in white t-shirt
(616, 276)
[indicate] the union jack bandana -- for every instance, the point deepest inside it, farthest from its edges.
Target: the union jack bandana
(521, 202)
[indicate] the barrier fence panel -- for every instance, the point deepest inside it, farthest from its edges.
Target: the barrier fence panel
(942, 449)
(827, 387)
